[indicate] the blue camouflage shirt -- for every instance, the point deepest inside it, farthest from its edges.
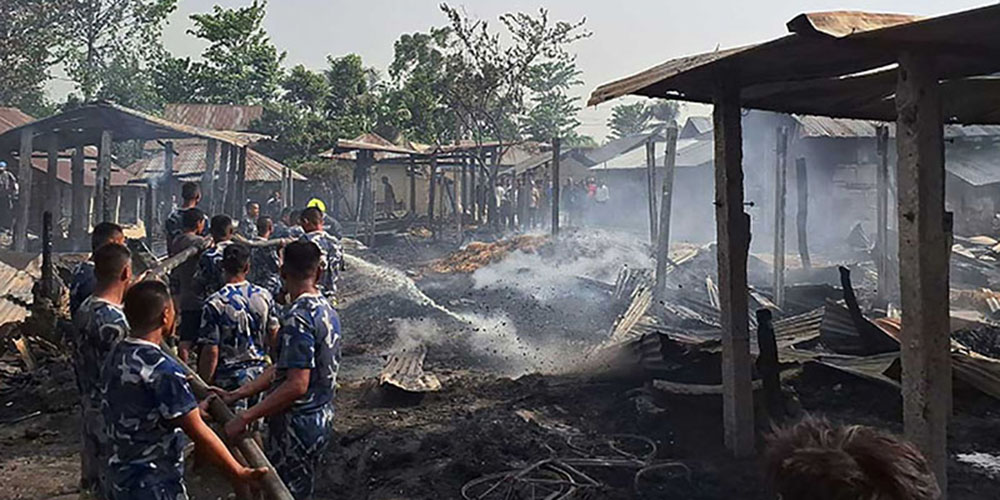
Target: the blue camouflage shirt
(83, 284)
(97, 326)
(173, 225)
(209, 272)
(248, 228)
(265, 268)
(144, 390)
(331, 262)
(237, 318)
(310, 339)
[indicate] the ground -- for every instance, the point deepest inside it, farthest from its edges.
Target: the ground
(496, 412)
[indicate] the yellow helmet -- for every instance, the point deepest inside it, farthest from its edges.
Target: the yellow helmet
(318, 203)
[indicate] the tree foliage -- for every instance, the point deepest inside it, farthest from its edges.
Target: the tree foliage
(29, 30)
(552, 112)
(421, 80)
(641, 116)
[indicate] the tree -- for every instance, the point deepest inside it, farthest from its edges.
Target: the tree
(106, 42)
(240, 65)
(29, 29)
(421, 81)
(491, 74)
(553, 112)
(642, 116)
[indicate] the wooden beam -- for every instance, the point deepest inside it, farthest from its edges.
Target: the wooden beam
(220, 202)
(241, 181)
(151, 221)
(733, 233)
(556, 145)
(666, 204)
(52, 178)
(411, 173)
(116, 202)
(780, 176)
(431, 193)
(24, 196)
(882, 214)
(651, 188)
(208, 176)
(78, 220)
(231, 206)
(102, 183)
(802, 217)
(167, 181)
(924, 253)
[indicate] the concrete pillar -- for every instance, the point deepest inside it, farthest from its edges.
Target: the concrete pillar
(924, 233)
(780, 176)
(733, 233)
(882, 213)
(22, 208)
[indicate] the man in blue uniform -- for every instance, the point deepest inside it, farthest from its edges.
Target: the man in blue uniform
(183, 286)
(83, 282)
(190, 197)
(248, 226)
(237, 324)
(98, 324)
(332, 260)
(209, 272)
(149, 407)
(303, 380)
(265, 262)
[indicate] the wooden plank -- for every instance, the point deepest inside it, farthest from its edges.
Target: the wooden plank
(221, 204)
(151, 220)
(102, 184)
(230, 205)
(78, 220)
(556, 185)
(208, 176)
(411, 174)
(733, 233)
(241, 181)
(651, 188)
(52, 176)
(432, 192)
(666, 208)
(802, 217)
(116, 202)
(780, 174)
(882, 213)
(167, 181)
(23, 205)
(923, 261)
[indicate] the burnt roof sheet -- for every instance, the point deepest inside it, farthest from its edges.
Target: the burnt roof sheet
(189, 161)
(213, 116)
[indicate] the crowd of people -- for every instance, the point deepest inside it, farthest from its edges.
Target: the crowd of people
(525, 203)
(251, 313)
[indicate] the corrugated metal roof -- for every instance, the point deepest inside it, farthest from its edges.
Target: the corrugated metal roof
(189, 161)
(214, 116)
(690, 153)
(811, 126)
(620, 146)
(978, 168)
(15, 293)
(13, 117)
(695, 127)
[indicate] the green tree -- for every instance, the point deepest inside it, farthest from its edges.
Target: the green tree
(29, 30)
(552, 112)
(628, 119)
(107, 41)
(420, 78)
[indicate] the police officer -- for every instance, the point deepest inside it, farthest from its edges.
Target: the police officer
(83, 282)
(332, 252)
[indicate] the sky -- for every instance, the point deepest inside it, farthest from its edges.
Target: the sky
(628, 35)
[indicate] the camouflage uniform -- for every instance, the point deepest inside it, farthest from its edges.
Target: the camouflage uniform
(331, 262)
(248, 228)
(145, 389)
(208, 276)
(309, 339)
(173, 225)
(265, 268)
(82, 285)
(97, 326)
(237, 319)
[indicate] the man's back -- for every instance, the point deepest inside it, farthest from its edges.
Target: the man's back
(332, 259)
(97, 326)
(310, 339)
(182, 280)
(236, 318)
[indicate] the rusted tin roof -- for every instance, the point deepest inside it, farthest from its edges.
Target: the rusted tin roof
(15, 292)
(189, 161)
(811, 126)
(214, 116)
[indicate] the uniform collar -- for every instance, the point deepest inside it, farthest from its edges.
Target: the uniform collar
(317, 295)
(133, 340)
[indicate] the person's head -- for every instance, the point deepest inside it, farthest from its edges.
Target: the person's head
(301, 265)
(265, 226)
(311, 219)
(222, 227)
(236, 260)
(317, 203)
(253, 209)
(295, 217)
(385, 179)
(191, 193)
(105, 233)
(3, 166)
(112, 265)
(286, 216)
(816, 460)
(276, 194)
(193, 221)
(148, 308)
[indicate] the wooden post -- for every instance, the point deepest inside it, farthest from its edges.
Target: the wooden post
(370, 187)
(48, 268)
(465, 186)
(151, 224)
(474, 203)
(52, 174)
(241, 181)
(802, 217)
(432, 193)
(220, 203)
(666, 203)
(24, 195)
(411, 172)
(229, 205)
(102, 183)
(780, 176)
(208, 176)
(923, 259)
(167, 182)
(651, 188)
(882, 213)
(116, 198)
(556, 145)
(733, 233)
(78, 220)
(768, 367)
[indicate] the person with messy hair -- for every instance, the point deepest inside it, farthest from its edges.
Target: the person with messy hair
(816, 460)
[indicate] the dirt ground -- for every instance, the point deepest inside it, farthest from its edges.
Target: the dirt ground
(494, 414)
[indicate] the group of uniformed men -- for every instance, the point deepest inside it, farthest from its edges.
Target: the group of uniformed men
(276, 363)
